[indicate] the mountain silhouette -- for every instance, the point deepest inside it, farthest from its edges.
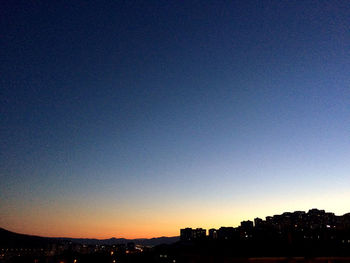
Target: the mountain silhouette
(11, 240)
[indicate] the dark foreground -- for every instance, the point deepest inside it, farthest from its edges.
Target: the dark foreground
(206, 251)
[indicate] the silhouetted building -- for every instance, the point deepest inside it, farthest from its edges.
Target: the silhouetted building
(247, 225)
(199, 233)
(213, 233)
(189, 234)
(258, 222)
(227, 233)
(290, 227)
(186, 234)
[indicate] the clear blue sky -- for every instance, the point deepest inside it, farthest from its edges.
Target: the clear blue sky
(136, 118)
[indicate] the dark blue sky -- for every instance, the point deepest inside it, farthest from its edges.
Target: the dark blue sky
(171, 105)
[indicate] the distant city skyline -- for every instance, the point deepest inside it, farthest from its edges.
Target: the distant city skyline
(315, 235)
(137, 118)
(313, 219)
(252, 221)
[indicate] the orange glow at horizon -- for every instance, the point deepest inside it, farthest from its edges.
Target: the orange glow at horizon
(103, 223)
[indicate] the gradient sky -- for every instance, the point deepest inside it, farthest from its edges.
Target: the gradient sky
(137, 118)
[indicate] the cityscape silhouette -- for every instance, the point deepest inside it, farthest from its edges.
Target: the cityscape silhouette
(174, 131)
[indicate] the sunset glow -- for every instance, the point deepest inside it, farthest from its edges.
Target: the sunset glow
(135, 119)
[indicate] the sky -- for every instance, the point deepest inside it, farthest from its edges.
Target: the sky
(137, 118)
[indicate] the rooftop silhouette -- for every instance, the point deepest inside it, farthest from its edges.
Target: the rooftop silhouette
(290, 226)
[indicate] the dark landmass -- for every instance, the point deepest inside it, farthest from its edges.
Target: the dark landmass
(111, 241)
(10, 239)
(313, 236)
